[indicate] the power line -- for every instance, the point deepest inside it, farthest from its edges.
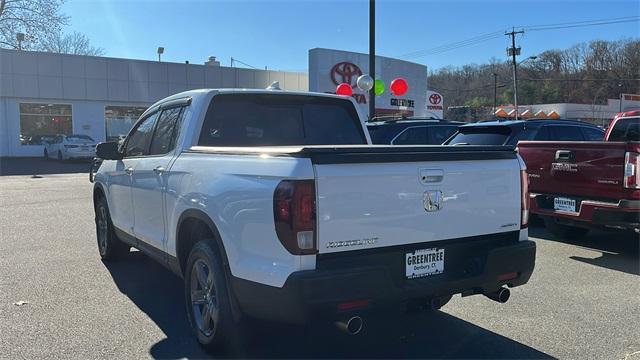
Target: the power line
(497, 34)
(583, 22)
(234, 60)
(475, 39)
(583, 25)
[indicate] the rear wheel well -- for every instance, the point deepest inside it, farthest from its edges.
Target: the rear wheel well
(190, 231)
(193, 227)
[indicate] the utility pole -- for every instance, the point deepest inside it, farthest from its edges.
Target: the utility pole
(513, 51)
(495, 92)
(372, 56)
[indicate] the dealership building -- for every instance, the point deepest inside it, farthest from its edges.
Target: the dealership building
(44, 94)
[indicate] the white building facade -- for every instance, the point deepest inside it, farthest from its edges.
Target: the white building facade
(44, 94)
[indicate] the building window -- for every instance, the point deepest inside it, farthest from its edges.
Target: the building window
(39, 122)
(120, 119)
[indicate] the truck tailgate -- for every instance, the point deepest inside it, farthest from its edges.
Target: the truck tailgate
(376, 204)
(591, 170)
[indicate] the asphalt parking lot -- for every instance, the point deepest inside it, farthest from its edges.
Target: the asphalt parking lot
(583, 300)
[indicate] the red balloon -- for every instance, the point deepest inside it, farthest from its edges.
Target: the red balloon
(344, 89)
(399, 86)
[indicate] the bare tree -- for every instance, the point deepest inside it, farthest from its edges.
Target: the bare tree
(37, 19)
(73, 43)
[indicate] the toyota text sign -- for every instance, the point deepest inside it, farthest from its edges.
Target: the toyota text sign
(329, 68)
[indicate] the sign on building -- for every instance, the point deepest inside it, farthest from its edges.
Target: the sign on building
(435, 104)
(328, 68)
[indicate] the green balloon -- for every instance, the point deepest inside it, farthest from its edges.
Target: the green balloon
(378, 87)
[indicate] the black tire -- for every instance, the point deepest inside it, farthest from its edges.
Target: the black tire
(563, 231)
(217, 331)
(109, 246)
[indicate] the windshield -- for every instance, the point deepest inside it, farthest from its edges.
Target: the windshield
(480, 135)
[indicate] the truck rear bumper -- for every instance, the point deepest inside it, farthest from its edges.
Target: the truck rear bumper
(624, 214)
(377, 279)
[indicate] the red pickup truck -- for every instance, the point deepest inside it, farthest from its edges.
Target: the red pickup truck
(579, 185)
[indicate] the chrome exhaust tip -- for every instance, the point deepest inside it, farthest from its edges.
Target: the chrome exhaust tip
(351, 326)
(501, 296)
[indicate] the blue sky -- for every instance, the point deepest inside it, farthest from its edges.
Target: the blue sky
(278, 34)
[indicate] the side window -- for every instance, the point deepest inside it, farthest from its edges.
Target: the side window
(163, 140)
(566, 133)
(441, 133)
(138, 140)
(591, 134)
(633, 132)
(412, 136)
(543, 134)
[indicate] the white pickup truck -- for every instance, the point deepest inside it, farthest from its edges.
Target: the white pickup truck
(275, 205)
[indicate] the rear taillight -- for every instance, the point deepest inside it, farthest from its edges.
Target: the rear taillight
(524, 199)
(631, 166)
(294, 212)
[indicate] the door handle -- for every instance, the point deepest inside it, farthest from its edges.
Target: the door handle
(128, 170)
(564, 155)
(158, 170)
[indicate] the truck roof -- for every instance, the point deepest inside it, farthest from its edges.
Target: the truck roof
(199, 93)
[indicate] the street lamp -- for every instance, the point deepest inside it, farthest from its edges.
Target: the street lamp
(20, 38)
(527, 59)
(160, 52)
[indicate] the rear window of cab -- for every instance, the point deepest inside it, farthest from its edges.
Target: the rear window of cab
(278, 120)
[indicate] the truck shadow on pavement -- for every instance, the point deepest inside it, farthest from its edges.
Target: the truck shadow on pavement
(159, 293)
(620, 250)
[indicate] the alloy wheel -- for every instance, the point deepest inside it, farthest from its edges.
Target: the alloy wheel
(204, 303)
(103, 228)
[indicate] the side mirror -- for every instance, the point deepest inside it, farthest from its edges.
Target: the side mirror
(108, 151)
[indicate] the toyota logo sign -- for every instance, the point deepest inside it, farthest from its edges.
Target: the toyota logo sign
(435, 99)
(345, 72)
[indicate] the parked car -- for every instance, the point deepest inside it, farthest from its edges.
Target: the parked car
(411, 131)
(272, 204)
(577, 186)
(35, 139)
(76, 146)
(510, 132)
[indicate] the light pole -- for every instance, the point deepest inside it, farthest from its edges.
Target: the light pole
(515, 76)
(495, 92)
(20, 38)
(372, 56)
(620, 91)
(160, 52)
